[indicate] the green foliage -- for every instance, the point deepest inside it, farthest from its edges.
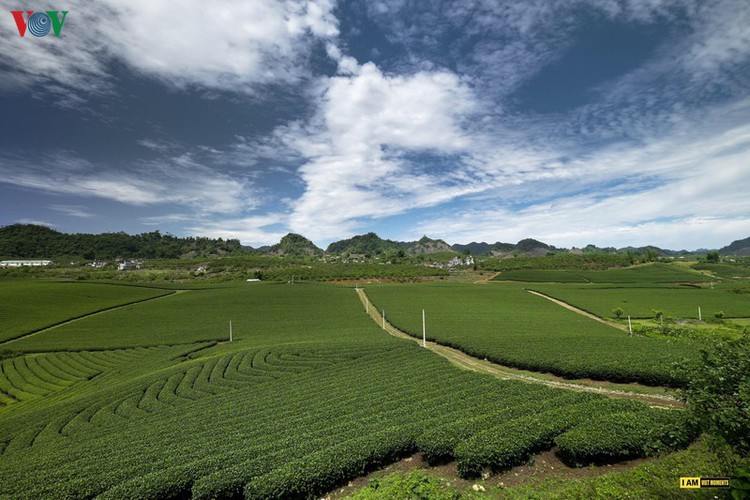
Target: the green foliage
(718, 392)
(365, 244)
(618, 312)
(712, 257)
(416, 485)
(558, 261)
(512, 327)
(513, 442)
(620, 436)
(740, 482)
(654, 479)
(329, 272)
(295, 245)
(30, 241)
(719, 314)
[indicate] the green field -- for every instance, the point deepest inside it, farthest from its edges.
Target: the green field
(724, 270)
(541, 275)
(309, 395)
(648, 273)
(640, 302)
(507, 325)
(190, 316)
(29, 305)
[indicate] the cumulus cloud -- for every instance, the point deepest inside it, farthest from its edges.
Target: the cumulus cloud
(223, 45)
(354, 146)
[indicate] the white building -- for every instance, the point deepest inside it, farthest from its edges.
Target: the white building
(124, 266)
(25, 262)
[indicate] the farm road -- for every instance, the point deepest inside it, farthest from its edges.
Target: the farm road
(465, 361)
(579, 311)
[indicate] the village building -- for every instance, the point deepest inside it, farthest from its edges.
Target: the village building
(25, 262)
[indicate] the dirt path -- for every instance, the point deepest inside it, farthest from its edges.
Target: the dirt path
(579, 311)
(465, 361)
(95, 313)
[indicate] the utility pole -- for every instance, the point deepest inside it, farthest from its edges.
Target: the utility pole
(383, 319)
(700, 317)
(230, 331)
(424, 331)
(630, 325)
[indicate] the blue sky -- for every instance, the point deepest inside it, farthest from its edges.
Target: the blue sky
(612, 122)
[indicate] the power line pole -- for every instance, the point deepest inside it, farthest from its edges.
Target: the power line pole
(700, 317)
(230, 331)
(630, 325)
(424, 331)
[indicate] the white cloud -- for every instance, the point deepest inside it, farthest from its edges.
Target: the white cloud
(73, 211)
(35, 222)
(166, 218)
(256, 230)
(223, 44)
(178, 180)
(685, 190)
(355, 145)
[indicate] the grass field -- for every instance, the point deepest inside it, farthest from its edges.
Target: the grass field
(640, 302)
(505, 324)
(648, 273)
(310, 394)
(28, 305)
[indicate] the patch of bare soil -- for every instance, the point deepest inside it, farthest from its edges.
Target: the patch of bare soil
(545, 465)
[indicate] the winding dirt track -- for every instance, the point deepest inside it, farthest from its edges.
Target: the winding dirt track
(579, 311)
(465, 361)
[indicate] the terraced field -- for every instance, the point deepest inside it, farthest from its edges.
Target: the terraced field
(507, 325)
(309, 395)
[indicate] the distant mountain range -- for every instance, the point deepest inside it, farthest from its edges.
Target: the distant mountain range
(32, 241)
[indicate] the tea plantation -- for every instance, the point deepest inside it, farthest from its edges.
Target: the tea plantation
(508, 325)
(641, 301)
(152, 401)
(648, 273)
(30, 305)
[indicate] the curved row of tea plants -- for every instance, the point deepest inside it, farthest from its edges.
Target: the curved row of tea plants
(314, 396)
(299, 435)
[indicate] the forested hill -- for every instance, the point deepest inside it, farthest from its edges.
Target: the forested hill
(32, 241)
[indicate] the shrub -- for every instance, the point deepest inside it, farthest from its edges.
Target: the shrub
(718, 391)
(625, 435)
